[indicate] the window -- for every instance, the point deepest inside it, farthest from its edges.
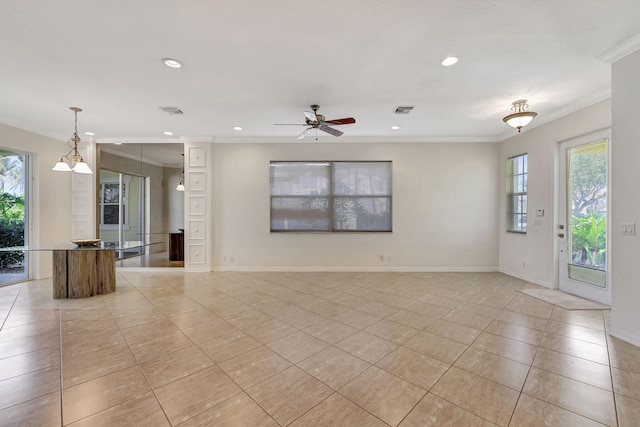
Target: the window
(330, 196)
(110, 204)
(517, 194)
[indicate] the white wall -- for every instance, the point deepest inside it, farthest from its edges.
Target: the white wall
(532, 256)
(51, 193)
(445, 215)
(625, 198)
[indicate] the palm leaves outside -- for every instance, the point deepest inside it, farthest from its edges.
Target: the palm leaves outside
(12, 208)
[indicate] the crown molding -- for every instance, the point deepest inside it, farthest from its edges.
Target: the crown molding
(620, 50)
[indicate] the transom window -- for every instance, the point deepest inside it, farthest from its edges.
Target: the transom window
(331, 196)
(517, 194)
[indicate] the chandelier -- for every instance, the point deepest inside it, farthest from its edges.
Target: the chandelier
(520, 118)
(73, 157)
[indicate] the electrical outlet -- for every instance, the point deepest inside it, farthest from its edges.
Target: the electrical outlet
(381, 257)
(389, 258)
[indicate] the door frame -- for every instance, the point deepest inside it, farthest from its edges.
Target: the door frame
(602, 295)
(29, 173)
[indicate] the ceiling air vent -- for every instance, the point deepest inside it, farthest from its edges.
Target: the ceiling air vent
(174, 111)
(404, 109)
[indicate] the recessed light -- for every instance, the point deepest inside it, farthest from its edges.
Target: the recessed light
(395, 127)
(168, 133)
(90, 133)
(173, 63)
(449, 61)
(117, 143)
(237, 128)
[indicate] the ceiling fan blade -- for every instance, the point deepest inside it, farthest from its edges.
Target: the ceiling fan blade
(345, 121)
(332, 131)
(310, 115)
(304, 133)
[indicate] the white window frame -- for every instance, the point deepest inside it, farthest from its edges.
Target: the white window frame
(333, 201)
(125, 202)
(517, 193)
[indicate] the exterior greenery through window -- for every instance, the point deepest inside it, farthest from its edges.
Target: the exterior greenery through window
(331, 196)
(587, 187)
(13, 215)
(517, 194)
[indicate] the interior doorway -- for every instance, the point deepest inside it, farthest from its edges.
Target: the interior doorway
(583, 226)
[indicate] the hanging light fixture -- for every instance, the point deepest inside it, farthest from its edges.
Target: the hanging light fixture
(73, 156)
(520, 118)
(180, 186)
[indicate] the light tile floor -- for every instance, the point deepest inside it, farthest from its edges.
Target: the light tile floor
(310, 349)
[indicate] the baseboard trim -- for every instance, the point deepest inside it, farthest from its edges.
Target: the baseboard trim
(625, 336)
(362, 269)
(149, 269)
(527, 278)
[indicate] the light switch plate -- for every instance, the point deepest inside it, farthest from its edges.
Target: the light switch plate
(628, 228)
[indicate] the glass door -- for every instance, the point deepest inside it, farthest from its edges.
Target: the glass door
(14, 218)
(582, 221)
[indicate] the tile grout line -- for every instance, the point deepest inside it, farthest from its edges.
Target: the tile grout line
(613, 387)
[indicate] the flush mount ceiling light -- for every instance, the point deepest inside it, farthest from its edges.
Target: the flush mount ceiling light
(236, 128)
(449, 61)
(90, 133)
(73, 157)
(520, 118)
(173, 63)
(395, 127)
(168, 133)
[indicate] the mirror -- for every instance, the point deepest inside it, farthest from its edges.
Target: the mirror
(137, 200)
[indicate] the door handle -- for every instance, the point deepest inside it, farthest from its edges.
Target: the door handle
(561, 235)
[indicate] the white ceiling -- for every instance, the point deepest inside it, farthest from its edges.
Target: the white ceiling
(253, 63)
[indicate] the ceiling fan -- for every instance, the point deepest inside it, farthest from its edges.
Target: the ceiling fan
(317, 121)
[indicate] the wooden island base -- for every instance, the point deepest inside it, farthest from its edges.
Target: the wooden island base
(83, 273)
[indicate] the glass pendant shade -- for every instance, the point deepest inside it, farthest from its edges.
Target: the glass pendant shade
(519, 120)
(180, 186)
(61, 166)
(82, 167)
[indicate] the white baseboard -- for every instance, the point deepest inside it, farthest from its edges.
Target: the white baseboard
(190, 269)
(149, 269)
(527, 278)
(363, 269)
(625, 336)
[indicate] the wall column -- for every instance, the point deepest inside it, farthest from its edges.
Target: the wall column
(197, 207)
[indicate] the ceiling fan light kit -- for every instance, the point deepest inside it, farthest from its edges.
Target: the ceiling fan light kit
(520, 118)
(318, 121)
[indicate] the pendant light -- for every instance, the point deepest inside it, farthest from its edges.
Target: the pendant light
(180, 186)
(73, 157)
